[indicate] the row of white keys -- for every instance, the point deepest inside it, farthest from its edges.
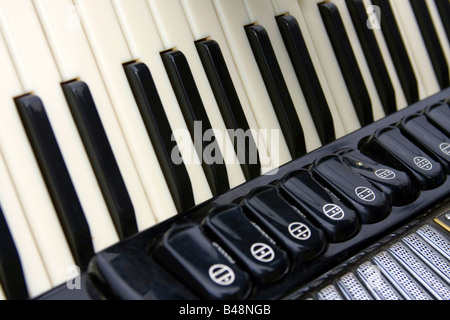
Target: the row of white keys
(74, 60)
(233, 17)
(110, 50)
(409, 29)
(261, 11)
(329, 63)
(17, 28)
(292, 7)
(204, 23)
(175, 32)
(33, 268)
(145, 45)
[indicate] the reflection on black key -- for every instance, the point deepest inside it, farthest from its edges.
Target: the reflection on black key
(431, 40)
(197, 120)
(347, 61)
(160, 132)
(230, 106)
(398, 52)
(101, 157)
(306, 74)
(57, 179)
(11, 275)
(277, 89)
(373, 56)
(443, 7)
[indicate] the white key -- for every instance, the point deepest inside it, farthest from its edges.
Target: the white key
(262, 12)
(2, 294)
(33, 268)
(145, 44)
(178, 35)
(428, 84)
(378, 112)
(110, 50)
(233, 18)
(330, 65)
(204, 23)
(292, 7)
(25, 173)
(399, 95)
(74, 60)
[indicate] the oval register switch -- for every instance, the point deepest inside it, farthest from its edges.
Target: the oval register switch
(191, 257)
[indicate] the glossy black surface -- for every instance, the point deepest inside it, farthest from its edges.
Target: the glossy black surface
(57, 178)
(444, 10)
(11, 275)
(160, 133)
(197, 121)
(347, 62)
(398, 51)
(306, 74)
(101, 156)
(439, 115)
(277, 89)
(230, 107)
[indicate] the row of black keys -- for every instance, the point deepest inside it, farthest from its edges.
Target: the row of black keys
(254, 242)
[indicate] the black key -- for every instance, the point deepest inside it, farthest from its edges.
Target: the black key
(160, 133)
(391, 146)
(286, 225)
(230, 107)
(371, 204)
(101, 156)
(306, 74)
(252, 248)
(443, 7)
(347, 62)
(432, 42)
(439, 115)
(187, 253)
(373, 56)
(11, 275)
(277, 89)
(57, 178)
(398, 52)
(197, 120)
(428, 138)
(395, 184)
(339, 222)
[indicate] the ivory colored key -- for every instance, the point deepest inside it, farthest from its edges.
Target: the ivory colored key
(33, 268)
(178, 35)
(75, 60)
(416, 48)
(111, 51)
(233, 17)
(139, 27)
(329, 63)
(282, 7)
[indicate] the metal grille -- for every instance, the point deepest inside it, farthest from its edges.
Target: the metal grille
(352, 288)
(329, 293)
(376, 283)
(436, 239)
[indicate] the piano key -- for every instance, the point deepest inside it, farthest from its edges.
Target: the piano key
(36, 277)
(444, 10)
(11, 275)
(374, 57)
(431, 41)
(160, 132)
(398, 52)
(347, 62)
(50, 160)
(75, 60)
(110, 53)
(135, 16)
(180, 37)
(263, 14)
(101, 156)
(230, 107)
(416, 47)
(278, 91)
(329, 63)
(233, 17)
(284, 7)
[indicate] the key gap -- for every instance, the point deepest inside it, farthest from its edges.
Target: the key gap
(203, 39)
(168, 50)
(131, 62)
(282, 15)
(70, 81)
